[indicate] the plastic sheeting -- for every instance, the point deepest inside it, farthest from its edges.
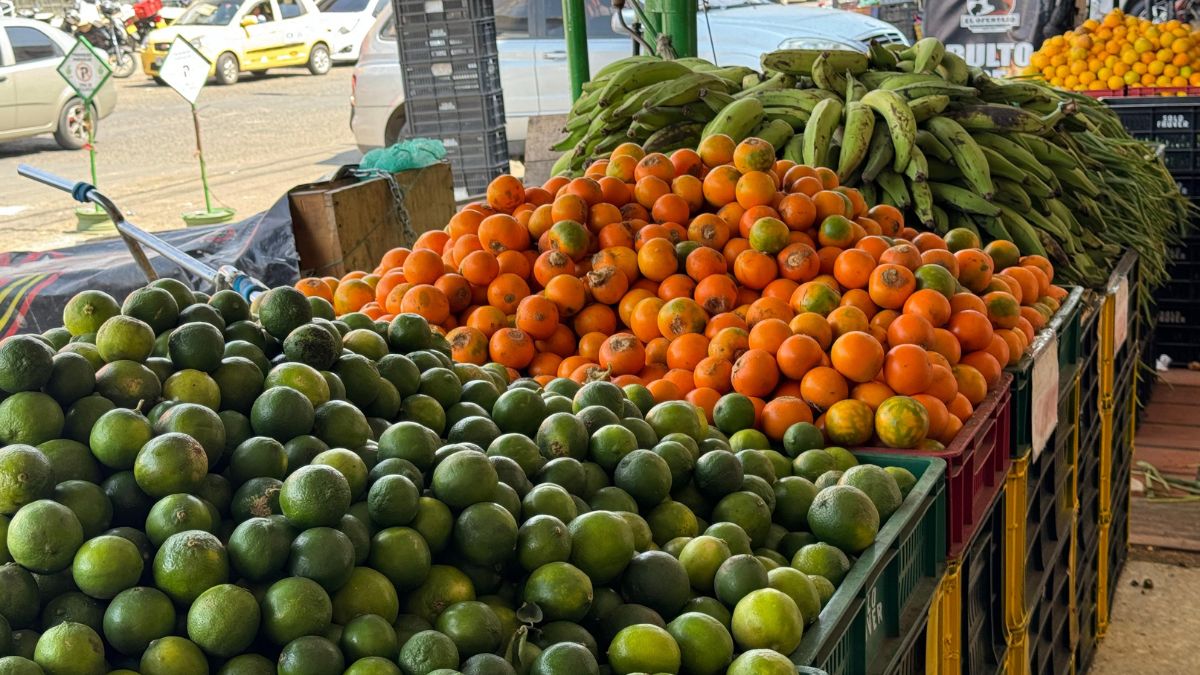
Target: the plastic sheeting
(34, 286)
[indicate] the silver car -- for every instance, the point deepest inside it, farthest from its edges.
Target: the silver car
(533, 56)
(34, 99)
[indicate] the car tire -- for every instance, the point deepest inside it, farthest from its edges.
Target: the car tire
(70, 133)
(227, 69)
(319, 61)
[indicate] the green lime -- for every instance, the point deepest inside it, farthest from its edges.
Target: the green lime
(843, 459)
(811, 464)
(295, 607)
(43, 536)
(192, 386)
(822, 560)
(128, 384)
(315, 496)
(705, 645)
(259, 548)
(565, 657)
(879, 486)
(232, 306)
(485, 534)
(341, 425)
(601, 545)
(26, 475)
(223, 620)
(87, 310)
(644, 648)
(200, 422)
(199, 346)
(248, 664)
(71, 378)
(904, 479)
(463, 479)
(428, 651)
(71, 648)
(645, 476)
(561, 590)
(324, 555)
(748, 511)
(258, 457)
(367, 592)
(124, 338)
(136, 617)
(434, 521)
(718, 473)
(701, 558)
(282, 413)
(802, 436)
(767, 619)
(800, 588)
(473, 626)
(657, 580)
(30, 418)
(106, 566)
(189, 563)
(762, 662)
(282, 310)
(845, 516)
(169, 464)
(310, 655)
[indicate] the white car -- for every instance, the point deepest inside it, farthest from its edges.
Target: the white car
(347, 22)
(246, 35)
(533, 56)
(34, 99)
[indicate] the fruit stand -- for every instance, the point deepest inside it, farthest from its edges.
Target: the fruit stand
(830, 367)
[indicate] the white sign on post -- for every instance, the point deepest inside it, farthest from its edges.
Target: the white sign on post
(184, 69)
(1121, 314)
(1044, 398)
(84, 70)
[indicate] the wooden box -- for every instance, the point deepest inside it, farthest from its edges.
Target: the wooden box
(346, 224)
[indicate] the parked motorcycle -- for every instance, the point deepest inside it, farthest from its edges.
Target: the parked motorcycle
(145, 18)
(107, 33)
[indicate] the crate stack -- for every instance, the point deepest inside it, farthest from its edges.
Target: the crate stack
(1113, 357)
(1175, 123)
(451, 76)
(900, 13)
(1042, 512)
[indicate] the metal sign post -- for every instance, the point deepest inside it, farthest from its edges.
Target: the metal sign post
(185, 70)
(86, 71)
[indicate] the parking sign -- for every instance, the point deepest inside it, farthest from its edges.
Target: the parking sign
(185, 69)
(84, 69)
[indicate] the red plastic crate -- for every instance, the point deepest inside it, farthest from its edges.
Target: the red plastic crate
(977, 462)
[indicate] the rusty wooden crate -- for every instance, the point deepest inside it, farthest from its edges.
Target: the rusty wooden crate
(348, 224)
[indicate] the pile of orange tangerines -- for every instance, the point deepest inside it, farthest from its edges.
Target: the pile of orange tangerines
(722, 270)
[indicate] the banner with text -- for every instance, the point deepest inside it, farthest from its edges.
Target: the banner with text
(997, 35)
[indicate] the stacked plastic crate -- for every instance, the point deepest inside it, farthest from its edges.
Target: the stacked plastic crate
(1173, 122)
(451, 76)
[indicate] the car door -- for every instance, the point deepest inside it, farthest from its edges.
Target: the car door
(603, 47)
(263, 37)
(296, 27)
(515, 43)
(37, 87)
(8, 89)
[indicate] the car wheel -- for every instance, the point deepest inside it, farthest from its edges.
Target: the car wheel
(319, 61)
(227, 69)
(71, 134)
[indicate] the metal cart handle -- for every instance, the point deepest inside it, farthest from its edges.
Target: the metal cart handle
(224, 277)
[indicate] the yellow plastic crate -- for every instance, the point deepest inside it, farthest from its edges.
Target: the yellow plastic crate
(937, 635)
(1018, 651)
(1015, 614)
(949, 611)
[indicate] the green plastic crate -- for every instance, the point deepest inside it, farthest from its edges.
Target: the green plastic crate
(875, 623)
(1065, 324)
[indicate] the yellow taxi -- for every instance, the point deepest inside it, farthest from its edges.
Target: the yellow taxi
(246, 36)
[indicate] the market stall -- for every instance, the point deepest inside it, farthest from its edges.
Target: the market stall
(825, 367)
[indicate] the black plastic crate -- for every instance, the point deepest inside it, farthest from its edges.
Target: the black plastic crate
(449, 77)
(1118, 545)
(1174, 122)
(430, 43)
(984, 641)
(1088, 522)
(429, 115)
(1050, 639)
(421, 12)
(1087, 579)
(475, 157)
(1189, 186)
(902, 15)
(1050, 496)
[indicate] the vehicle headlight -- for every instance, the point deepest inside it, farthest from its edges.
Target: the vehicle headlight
(817, 43)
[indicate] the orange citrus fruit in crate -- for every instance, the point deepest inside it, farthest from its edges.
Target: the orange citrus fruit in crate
(720, 273)
(1119, 51)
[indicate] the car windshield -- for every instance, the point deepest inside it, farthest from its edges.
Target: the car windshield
(209, 13)
(343, 5)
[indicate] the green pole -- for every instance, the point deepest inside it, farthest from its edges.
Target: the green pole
(91, 139)
(575, 27)
(200, 154)
(678, 22)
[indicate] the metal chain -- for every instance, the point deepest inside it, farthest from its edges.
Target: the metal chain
(398, 198)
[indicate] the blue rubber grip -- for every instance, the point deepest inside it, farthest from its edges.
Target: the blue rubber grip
(80, 191)
(245, 286)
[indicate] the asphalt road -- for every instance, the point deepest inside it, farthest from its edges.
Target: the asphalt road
(261, 136)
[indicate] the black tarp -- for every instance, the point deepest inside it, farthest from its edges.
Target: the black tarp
(34, 286)
(997, 35)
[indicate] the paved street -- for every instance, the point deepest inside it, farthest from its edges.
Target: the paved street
(262, 136)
